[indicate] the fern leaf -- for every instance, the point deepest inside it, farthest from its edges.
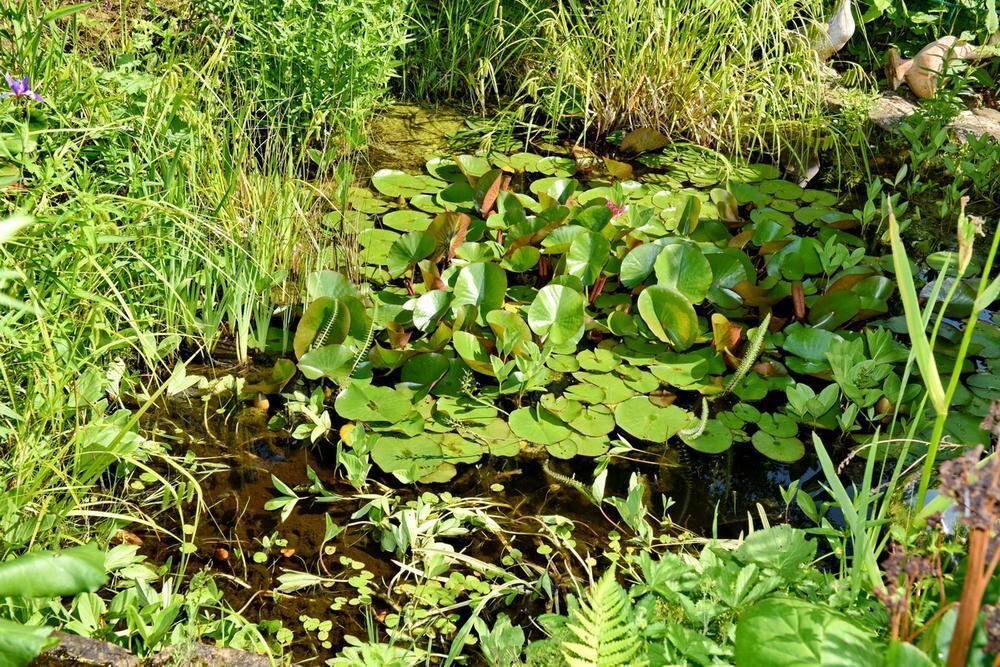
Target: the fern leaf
(605, 628)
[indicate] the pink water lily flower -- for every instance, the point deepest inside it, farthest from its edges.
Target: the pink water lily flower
(617, 210)
(21, 88)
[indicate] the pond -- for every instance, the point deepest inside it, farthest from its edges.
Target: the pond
(540, 347)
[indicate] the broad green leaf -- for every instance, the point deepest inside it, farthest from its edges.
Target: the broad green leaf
(538, 425)
(482, 285)
(20, 644)
(796, 633)
(429, 307)
(587, 255)
(684, 267)
(407, 250)
(473, 352)
(557, 314)
(361, 401)
(669, 315)
(639, 263)
(333, 362)
(641, 418)
(46, 574)
(326, 321)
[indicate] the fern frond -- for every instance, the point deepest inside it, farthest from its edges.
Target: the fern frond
(753, 351)
(605, 627)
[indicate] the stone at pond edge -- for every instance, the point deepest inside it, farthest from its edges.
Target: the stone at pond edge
(74, 650)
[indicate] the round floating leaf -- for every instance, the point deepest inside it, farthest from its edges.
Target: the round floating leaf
(590, 447)
(786, 450)
(429, 307)
(684, 267)
(594, 421)
(564, 449)
(407, 220)
(585, 393)
(522, 259)
(557, 315)
(395, 183)
(437, 373)
(361, 401)
(482, 285)
(622, 324)
(326, 321)
(715, 439)
(809, 343)
(642, 419)
(472, 166)
(669, 316)
(407, 250)
(587, 255)
(538, 425)
(473, 352)
(457, 196)
(782, 189)
(511, 331)
(558, 189)
(599, 360)
(411, 458)
(614, 388)
(563, 363)
(556, 166)
(457, 449)
(638, 264)
(333, 362)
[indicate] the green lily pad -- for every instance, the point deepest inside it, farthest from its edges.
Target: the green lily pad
(640, 418)
(538, 425)
(473, 351)
(363, 402)
(683, 267)
(599, 360)
(410, 459)
(786, 450)
(407, 250)
(715, 439)
(669, 315)
(407, 220)
(482, 285)
(557, 314)
(594, 421)
(395, 183)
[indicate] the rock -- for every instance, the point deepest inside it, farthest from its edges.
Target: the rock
(202, 655)
(80, 651)
(890, 109)
(74, 650)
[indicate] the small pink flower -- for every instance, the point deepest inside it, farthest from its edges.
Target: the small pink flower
(617, 210)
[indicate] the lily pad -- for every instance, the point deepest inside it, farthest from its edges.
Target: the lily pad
(715, 439)
(669, 315)
(642, 419)
(557, 315)
(364, 402)
(537, 425)
(786, 450)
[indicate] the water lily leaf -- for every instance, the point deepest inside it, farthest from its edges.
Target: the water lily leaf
(520, 161)
(326, 321)
(556, 189)
(585, 393)
(563, 363)
(333, 362)
(778, 425)
(566, 409)
(614, 388)
(810, 343)
(445, 168)
(426, 203)
(433, 372)
(781, 189)
(498, 438)
(557, 315)
(748, 194)
(457, 196)
(669, 315)
(407, 250)
(466, 410)
(473, 352)
(726, 205)
(361, 401)
(622, 324)
(564, 449)
(457, 449)
(395, 183)
(329, 284)
(833, 310)
(428, 309)
(587, 255)
(638, 264)
(376, 244)
(715, 439)
(510, 330)
(482, 285)
(407, 220)
(643, 140)
(561, 239)
(683, 267)
(472, 166)
(522, 259)
(594, 421)
(556, 166)
(690, 215)
(599, 360)
(786, 450)
(638, 380)
(411, 458)
(589, 446)
(642, 419)
(537, 425)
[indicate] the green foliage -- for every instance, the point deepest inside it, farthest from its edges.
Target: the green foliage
(604, 630)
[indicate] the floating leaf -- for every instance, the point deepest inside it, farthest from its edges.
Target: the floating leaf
(587, 255)
(326, 321)
(669, 316)
(557, 314)
(642, 419)
(361, 401)
(407, 250)
(538, 425)
(643, 140)
(473, 352)
(482, 285)
(786, 450)
(683, 267)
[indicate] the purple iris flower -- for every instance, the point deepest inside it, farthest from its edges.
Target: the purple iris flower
(21, 88)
